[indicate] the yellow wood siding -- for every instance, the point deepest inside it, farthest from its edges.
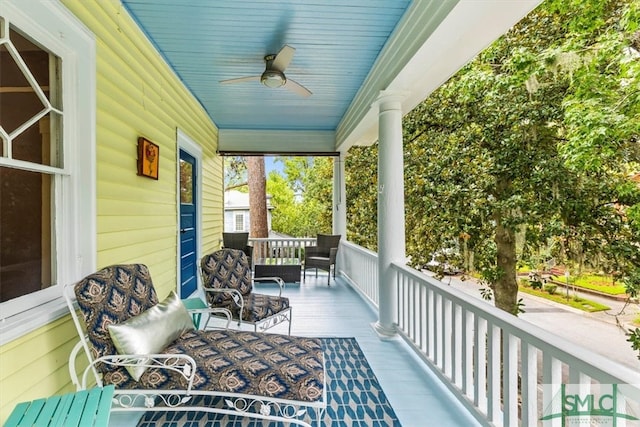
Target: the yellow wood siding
(137, 95)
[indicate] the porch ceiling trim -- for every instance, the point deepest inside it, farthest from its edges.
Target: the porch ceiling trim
(432, 42)
(262, 141)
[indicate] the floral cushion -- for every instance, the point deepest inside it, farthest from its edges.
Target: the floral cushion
(244, 362)
(271, 365)
(110, 296)
(258, 307)
(226, 269)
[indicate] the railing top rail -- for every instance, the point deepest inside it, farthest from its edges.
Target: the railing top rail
(282, 239)
(357, 248)
(583, 359)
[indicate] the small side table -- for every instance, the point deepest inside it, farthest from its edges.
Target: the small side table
(288, 269)
(83, 408)
(195, 304)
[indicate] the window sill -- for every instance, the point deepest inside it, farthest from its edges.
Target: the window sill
(20, 324)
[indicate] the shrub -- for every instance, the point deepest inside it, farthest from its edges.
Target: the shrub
(536, 285)
(536, 280)
(551, 289)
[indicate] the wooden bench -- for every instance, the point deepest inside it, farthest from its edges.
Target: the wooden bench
(84, 408)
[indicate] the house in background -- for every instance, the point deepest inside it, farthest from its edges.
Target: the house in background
(236, 211)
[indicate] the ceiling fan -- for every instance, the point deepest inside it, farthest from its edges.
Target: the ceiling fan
(273, 75)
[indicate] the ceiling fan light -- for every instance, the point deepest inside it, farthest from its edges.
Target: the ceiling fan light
(273, 78)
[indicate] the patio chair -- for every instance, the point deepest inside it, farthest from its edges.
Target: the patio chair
(157, 361)
(227, 283)
(239, 241)
(322, 256)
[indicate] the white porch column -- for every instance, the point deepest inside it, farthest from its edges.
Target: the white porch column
(391, 230)
(339, 197)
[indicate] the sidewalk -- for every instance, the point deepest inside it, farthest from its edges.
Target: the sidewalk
(597, 332)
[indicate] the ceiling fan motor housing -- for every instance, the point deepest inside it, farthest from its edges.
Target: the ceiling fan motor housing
(273, 75)
(273, 78)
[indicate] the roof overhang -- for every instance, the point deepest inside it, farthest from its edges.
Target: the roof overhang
(434, 40)
(349, 53)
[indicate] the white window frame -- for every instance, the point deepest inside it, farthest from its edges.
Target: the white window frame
(52, 26)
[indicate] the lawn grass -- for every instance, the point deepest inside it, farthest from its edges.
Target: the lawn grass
(600, 283)
(579, 303)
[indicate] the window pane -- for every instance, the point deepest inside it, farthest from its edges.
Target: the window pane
(33, 119)
(25, 232)
(38, 143)
(186, 186)
(17, 91)
(27, 235)
(239, 222)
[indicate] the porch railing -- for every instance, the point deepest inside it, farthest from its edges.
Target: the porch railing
(360, 267)
(280, 247)
(505, 370)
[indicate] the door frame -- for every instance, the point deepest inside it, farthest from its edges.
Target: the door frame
(185, 143)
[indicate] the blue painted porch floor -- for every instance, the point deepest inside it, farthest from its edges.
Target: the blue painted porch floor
(415, 393)
(417, 396)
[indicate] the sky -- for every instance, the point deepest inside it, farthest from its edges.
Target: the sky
(270, 164)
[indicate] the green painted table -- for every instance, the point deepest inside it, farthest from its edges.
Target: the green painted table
(195, 304)
(82, 409)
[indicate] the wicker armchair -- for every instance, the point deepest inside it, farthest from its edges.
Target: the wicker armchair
(322, 256)
(238, 241)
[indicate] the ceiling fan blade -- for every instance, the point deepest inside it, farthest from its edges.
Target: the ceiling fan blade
(296, 87)
(240, 80)
(283, 58)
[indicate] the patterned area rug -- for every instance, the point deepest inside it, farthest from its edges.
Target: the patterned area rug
(354, 396)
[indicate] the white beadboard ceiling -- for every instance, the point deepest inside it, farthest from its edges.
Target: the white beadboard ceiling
(347, 52)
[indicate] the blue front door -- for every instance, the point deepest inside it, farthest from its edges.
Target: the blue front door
(188, 229)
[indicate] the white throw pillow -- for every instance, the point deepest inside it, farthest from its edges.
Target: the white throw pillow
(151, 331)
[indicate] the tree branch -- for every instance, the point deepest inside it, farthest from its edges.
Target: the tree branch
(231, 187)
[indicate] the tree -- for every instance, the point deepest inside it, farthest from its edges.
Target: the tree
(532, 141)
(235, 172)
(361, 182)
(302, 198)
(257, 197)
(495, 166)
(318, 196)
(285, 213)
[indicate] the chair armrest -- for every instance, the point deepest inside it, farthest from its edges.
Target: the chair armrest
(332, 255)
(209, 311)
(236, 296)
(248, 250)
(278, 280)
(183, 364)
